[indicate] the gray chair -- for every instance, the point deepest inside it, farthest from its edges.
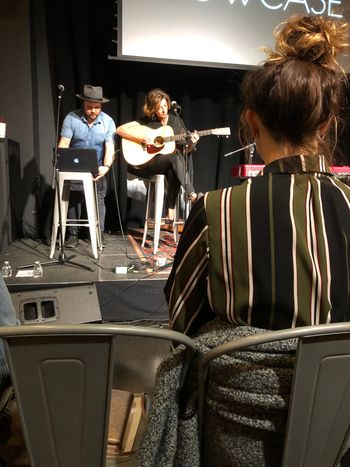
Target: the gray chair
(318, 427)
(62, 375)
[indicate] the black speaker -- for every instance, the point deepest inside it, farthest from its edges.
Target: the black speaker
(66, 305)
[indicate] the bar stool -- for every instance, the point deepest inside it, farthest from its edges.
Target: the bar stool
(156, 190)
(92, 221)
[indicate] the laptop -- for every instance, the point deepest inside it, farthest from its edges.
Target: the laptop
(77, 160)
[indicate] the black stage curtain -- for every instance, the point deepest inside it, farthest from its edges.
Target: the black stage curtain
(80, 36)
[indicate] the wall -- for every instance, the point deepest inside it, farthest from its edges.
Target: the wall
(26, 101)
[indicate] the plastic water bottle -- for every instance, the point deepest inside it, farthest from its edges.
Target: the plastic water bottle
(37, 269)
(6, 270)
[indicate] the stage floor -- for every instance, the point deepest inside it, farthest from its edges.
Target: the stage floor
(80, 265)
(129, 281)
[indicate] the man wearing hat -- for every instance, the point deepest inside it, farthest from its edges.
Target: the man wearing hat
(92, 128)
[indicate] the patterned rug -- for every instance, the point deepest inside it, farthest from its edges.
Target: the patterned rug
(166, 248)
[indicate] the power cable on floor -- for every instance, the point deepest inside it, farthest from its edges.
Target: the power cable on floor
(135, 265)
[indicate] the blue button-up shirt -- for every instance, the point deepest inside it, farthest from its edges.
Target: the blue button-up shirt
(76, 128)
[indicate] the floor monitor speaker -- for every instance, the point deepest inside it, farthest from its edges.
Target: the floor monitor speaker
(66, 305)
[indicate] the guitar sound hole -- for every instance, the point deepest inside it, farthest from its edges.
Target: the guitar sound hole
(158, 141)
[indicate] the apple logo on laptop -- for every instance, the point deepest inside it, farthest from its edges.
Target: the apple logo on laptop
(76, 160)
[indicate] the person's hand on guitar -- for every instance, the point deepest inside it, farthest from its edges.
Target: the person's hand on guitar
(147, 139)
(191, 141)
(194, 140)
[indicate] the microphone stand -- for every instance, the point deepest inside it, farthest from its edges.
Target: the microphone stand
(251, 148)
(177, 111)
(62, 259)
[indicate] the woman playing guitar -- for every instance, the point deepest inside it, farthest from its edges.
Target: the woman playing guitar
(166, 159)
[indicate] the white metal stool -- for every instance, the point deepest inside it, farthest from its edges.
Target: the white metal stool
(156, 189)
(92, 221)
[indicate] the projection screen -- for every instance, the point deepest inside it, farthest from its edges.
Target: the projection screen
(215, 33)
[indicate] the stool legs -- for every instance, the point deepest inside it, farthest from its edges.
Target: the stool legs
(90, 201)
(148, 213)
(156, 185)
(156, 189)
(64, 189)
(91, 205)
(158, 209)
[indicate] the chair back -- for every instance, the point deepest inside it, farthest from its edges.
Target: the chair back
(62, 377)
(318, 427)
(319, 410)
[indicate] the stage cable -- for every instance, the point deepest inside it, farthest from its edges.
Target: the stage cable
(134, 265)
(139, 279)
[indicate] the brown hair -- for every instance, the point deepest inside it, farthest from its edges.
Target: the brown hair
(300, 86)
(152, 101)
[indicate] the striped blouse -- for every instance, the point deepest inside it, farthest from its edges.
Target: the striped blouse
(272, 252)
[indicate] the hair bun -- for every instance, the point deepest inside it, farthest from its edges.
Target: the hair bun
(311, 38)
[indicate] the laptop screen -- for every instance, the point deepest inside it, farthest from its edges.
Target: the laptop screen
(77, 160)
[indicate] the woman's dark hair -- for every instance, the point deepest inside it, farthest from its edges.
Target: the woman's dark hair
(152, 101)
(300, 86)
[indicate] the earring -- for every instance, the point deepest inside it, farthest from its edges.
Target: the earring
(318, 134)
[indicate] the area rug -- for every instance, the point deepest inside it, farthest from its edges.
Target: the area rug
(166, 248)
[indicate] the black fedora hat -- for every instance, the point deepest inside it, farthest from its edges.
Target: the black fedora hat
(92, 93)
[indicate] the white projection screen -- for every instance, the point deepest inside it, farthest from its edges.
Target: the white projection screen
(214, 33)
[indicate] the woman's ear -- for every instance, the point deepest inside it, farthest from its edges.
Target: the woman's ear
(252, 121)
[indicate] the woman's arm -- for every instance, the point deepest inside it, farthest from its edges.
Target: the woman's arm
(186, 288)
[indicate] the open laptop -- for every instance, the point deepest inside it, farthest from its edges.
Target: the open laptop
(77, 160)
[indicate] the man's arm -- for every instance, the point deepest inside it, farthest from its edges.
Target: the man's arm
(64, 142)
(109, 150)
(107, 161)
(109, 154)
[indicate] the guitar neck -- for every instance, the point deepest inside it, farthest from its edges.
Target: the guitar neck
(184, 135)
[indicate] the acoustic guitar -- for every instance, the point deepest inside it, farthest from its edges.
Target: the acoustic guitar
(164, 142)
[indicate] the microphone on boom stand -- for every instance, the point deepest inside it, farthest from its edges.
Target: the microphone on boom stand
(176, 107)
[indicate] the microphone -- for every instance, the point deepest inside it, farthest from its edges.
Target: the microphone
(61, 87)
(176, 106)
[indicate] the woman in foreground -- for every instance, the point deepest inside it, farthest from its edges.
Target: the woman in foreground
(274, 251)
(271, 253)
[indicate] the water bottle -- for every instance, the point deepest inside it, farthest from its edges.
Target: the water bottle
(6, 270)
(37, 269)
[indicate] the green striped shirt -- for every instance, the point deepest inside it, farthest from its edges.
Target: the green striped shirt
(272, 252)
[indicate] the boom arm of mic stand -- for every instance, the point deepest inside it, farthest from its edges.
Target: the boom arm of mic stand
(249, 146)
